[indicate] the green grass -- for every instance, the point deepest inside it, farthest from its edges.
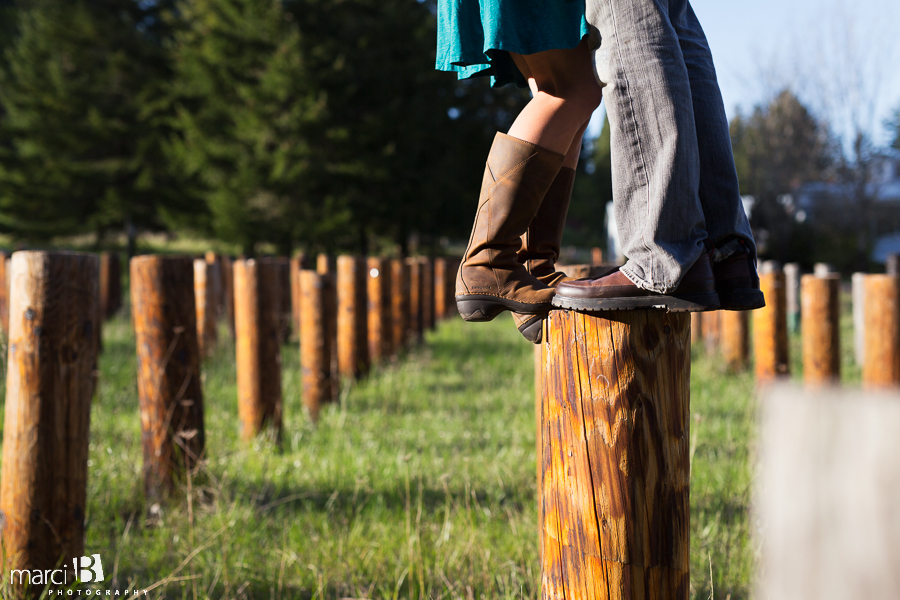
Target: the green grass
(419, 484)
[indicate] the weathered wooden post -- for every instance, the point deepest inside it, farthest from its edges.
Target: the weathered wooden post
(399, 304)
(315, 342)
(881, 368)
(429, 318)
(53, 335)
(206, 303)
(734, 339)
(859, 317)
(4, 293)
(110, 284)
(353, 317)
(770, 340)
(696, 328)
(227, 305)
(298, 263)
(615, 459)
(416, 307)
(711, 332)
(379, 302)
(792, 296)
(820, 329)
(169, 389)
(258, 328)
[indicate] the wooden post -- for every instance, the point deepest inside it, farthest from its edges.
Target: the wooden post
(440, 288)
(416, 305)
(539, 442)
(110, 284)
(429, 317)
(615, 430)
(324, 264)
(283, 305)
(821, 329)
(205, 299)
(711, 331)
(734, 339)
(298, 263)
(379, 302)
(352, 317)
(4, 293)
(53, 335)
(696, 328)
(792, 296)
(258, 325)
(596, 256)
(770, 340)
(171, 398)
(859, 320)
(881, 368)
(399, 303)
(315, 342)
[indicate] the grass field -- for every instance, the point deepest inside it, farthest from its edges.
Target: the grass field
(419, 484)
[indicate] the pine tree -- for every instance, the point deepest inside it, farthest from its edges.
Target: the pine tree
(85, 115)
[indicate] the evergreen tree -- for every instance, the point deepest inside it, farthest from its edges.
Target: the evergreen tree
(85, 115)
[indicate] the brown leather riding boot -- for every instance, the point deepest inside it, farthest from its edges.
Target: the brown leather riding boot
(491, 279)
(540, 246)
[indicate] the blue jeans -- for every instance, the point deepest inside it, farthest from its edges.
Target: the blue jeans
(674, 180)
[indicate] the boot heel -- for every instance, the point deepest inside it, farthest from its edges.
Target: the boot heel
(479, 310)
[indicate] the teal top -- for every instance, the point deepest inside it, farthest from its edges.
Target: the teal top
(475, 37)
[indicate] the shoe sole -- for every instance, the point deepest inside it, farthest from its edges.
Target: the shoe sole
(680, 303)
(746, 299)
(479, 308)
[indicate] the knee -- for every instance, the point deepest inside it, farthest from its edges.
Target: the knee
(578, 98)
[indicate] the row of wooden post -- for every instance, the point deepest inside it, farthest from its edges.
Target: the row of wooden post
(54, 313)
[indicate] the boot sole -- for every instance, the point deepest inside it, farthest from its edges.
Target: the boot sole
(680, 303)
(746, 299)
(479, 308)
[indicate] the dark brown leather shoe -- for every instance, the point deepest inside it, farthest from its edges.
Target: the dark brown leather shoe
(695, 293)
(737, 282)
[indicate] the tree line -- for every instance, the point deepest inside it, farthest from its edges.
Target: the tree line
(318, 124)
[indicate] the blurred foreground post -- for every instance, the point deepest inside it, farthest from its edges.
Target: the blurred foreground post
(615, 456)
(379, 304)
(352, 318)
(828, 495)
(315, 342)
(820, 329)
(258, 328)
(882, 326)
(171, 398)
(770, 340)
(4, 293)
(734, 338)
(54, 319)
(110, 284)
(206, 303)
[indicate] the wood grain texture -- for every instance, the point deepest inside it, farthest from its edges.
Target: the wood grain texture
(820, 329)
(4, 293)
(259, 328)
(881, 368)
(399, 304)
(110, 284)
(734, 339)
(416, 309)
(206, 303)
(770, 339)
(615, 457)
(51, 378)
(353, 316)
(169, 387)
(379, 305)
(315, 342)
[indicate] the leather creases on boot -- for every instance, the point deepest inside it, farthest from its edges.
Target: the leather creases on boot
(541, 245)
(491, 279)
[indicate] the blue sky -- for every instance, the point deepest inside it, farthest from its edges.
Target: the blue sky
(841, 57)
